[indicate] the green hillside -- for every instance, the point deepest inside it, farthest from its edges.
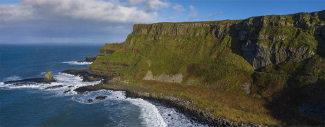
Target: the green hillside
(261, 69)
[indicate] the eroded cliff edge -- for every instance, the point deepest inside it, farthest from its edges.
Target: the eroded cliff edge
(266, 67)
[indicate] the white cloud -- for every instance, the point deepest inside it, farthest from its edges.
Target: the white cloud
(74, 9)
(178, 7)
(70, 19)
(149, 5)
(193, 13)
(192, 7)
(216, 14)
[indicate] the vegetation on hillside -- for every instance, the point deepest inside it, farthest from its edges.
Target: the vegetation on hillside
(210, 57)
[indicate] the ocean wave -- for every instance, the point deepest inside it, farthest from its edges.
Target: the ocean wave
(78, 63)
(152, 115)
(174, 118)
(67, 81)
(149, 113)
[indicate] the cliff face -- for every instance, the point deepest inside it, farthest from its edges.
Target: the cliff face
(260, 56)
(264, 40)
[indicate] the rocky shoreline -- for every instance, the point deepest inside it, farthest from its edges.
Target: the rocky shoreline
(185, 106)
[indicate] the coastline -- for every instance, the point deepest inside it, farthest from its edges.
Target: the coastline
(183, 105)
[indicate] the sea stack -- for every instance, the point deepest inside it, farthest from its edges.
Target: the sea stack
(49, 77)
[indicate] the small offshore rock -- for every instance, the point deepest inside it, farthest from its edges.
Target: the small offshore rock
(101, 97)
(67, 91)
(90, 100)
(53, 87)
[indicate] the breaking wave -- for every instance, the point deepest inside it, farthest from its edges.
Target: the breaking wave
(78, 62)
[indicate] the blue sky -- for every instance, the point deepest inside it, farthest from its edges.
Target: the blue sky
(101, 21)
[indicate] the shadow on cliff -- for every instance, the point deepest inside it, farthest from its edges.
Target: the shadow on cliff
(301, 102)
(321, 41)
(235, 42)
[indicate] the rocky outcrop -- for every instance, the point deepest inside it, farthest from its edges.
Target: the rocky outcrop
(178, 78)
(90, 101)
(106, 51)
(90, 58)
(48, 79)
(87, 74)
(259, 56)
(90, 79)
(67, 91)
(53, 87)
(29, 81)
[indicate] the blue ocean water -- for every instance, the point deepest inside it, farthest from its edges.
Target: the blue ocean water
(34, 106)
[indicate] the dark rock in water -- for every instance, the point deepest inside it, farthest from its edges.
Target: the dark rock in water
(90, 79)
(30, 81)
(90, 100)
(81, 90)
(53, 87)
(48, 79)
(83, 72)
(90, 58)
(76, 72)
(101, 97)
(67, 91)
(70, 86)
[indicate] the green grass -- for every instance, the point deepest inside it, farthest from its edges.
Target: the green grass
(113, 46)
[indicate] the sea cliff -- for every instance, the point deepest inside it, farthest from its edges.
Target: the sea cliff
(262, 69)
